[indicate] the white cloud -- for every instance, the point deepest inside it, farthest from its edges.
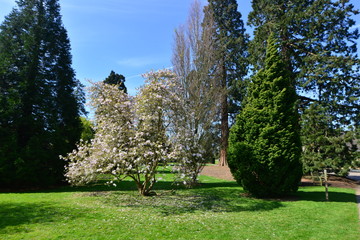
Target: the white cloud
(137, 62)
(134, 76)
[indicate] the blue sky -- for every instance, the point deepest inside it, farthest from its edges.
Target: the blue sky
(130, 37)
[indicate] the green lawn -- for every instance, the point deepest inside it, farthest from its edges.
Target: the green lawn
(215, 210)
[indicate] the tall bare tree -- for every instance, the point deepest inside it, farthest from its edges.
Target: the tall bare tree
(193, 65)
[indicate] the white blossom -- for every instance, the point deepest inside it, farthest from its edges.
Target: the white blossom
(130, 136)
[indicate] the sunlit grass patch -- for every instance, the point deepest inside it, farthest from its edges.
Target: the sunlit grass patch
(215, 209)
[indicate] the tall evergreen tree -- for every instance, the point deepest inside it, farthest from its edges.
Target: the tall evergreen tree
(40, 98)
(318, 44)
(264, 145)
(230, 65)
(118, 79)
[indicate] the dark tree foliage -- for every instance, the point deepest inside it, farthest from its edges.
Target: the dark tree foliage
(264, 144)
(230, 66)
(326, 147)
(40, 99)
(117, 79)
(318, 44)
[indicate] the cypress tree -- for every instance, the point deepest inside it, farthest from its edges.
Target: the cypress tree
(41, 98)
(264, 145)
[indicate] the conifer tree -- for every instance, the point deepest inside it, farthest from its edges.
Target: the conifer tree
(264, 145)
(230, 61)
(118, 79)
(318, 43)
(41, 99)
(326, 147)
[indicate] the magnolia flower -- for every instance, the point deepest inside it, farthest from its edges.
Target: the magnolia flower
(130, 139)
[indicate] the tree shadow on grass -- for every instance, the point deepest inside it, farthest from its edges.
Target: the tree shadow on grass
(223, 184)
(319, 196)
(99, 186)
(314, 194)
(15, 216)
(172, 202)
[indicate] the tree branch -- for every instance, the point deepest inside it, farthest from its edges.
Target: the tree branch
(307, 99)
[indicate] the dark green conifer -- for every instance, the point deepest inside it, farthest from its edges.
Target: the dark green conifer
(264, 144)
(326, 147)
(118, 79)
(41, 99)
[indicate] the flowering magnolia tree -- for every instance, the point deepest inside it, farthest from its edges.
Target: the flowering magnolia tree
(189, 155)
(130, 139)
(134, 135)
(189, 140)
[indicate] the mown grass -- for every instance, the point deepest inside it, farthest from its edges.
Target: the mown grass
(216, 209)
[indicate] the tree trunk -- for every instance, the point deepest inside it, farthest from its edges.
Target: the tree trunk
(224, 132)
(224, 121)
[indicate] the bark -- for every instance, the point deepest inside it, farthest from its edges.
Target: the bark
(224, 121)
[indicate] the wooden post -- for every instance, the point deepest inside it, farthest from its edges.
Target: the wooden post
(326, 185)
